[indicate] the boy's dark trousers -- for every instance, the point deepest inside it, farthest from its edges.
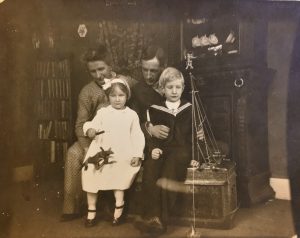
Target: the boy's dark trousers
(151, 192)
(157, 202)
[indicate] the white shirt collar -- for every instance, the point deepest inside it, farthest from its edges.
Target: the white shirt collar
(106, 80)
(173, 105)
(110, 108)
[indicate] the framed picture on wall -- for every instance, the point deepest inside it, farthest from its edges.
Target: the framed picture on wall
(208, 37)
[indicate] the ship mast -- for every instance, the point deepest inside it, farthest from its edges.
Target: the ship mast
(206, 151)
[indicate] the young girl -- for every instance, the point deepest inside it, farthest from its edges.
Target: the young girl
(123, 135)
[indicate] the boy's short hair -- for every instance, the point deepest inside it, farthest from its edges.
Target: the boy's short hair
(152, 51)
(170, 74)
(97, 54)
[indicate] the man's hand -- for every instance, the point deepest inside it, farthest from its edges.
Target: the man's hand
(156, 153)
(91, 133)
(135, 161)
(159, 131)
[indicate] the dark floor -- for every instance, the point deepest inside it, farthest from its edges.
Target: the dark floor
(33, 210)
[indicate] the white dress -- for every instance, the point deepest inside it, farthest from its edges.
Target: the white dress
(123, 134)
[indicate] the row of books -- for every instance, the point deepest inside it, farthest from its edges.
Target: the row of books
(57, 151)
(52, 69)
(57, 88)
(53, 107)
(53, 129)
(50, 109)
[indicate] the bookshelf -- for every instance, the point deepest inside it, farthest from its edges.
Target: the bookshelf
(53, 114)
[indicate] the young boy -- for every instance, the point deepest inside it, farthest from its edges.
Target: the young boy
(169, 157)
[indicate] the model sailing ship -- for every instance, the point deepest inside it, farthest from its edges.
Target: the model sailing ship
(206, 151)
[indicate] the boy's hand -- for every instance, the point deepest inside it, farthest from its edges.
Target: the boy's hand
(194, 163)
(135, 161)
(159, 131)
(200, 134)
(91, 133)
(156, 153)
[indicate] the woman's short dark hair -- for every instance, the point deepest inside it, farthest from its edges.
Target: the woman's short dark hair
(97, 54)
(152, 51)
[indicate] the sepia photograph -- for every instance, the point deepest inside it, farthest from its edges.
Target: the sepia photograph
(150, 118)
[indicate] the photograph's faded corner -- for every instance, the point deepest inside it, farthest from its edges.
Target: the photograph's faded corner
(148, 118)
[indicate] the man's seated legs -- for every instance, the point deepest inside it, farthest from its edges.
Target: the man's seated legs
(151, 197)
(73, 194)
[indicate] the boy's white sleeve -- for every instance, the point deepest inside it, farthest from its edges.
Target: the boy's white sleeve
(95, 123)
(137, 137)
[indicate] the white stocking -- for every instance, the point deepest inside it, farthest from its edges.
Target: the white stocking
(91, 200)
(119, 196)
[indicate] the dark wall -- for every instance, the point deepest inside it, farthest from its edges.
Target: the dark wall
(17, 125)
(293, 130)
(282, 26)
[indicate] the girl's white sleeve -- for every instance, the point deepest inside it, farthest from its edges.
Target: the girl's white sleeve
(95, 123)
(137, 137)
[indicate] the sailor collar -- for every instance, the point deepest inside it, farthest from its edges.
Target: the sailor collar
(173, 112)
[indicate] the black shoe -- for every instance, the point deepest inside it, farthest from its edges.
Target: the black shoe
(69, 217)
(90, 222)
(153, 225)
(120, 220)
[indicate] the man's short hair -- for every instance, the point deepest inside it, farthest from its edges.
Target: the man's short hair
(97, 54)
(152, 51)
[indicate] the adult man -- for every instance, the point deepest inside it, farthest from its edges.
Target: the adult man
(90, 99)
(144, 94)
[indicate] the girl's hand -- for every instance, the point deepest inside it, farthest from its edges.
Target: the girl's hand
(91, 133)
(135, 161)
(194, 163)
(156, 153)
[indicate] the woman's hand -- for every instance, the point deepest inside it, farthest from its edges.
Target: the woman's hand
(135, 161)
(156, 153)
(91, 133)
(194, 163)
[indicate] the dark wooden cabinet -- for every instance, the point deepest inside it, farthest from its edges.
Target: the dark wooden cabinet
(233, 85)
(235, 99)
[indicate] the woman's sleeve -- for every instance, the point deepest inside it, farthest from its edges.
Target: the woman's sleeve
(137, 137)
(83, 113)
(95, 123)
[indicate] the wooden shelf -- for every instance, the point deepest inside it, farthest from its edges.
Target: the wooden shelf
(53, 112)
